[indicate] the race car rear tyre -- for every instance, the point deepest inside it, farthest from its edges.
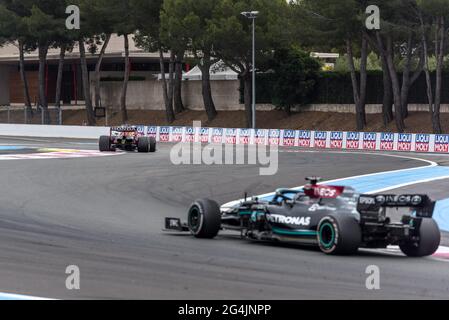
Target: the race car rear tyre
(339, 235)
(105, 144)
(429, 240)
(143, 145)
(204, 219)
(152, 144)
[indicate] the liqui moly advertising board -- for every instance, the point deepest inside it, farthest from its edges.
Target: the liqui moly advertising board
(176, 134)
(217, 135)
(204, 135)
(387, 141)
(230, 136)
(304, 139)
(152, 131)
(442, 143)
(422, 142)
(353, 140)
(274, 137)
(369, 141)
(320, 139)
(260, 136)
(244, 136)
(288, 138)
(164, 134)
(190, 134)
(405, 142)
(336, 140)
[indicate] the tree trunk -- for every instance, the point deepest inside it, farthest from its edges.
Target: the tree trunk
(59, 79)
(406, 77)
(178, 104)
(426, 69)
(125, 82)
(170, 114)
(98, 69)
(355, 86)
(440, 42)
(86, 84)
(363, 80)
(248, 96)
(208, 100)
(59, 76)
(396, 86)
(43, 50)
(26, 91)
(171, 78)
(387, 104)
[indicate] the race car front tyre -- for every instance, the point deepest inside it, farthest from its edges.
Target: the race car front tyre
(204, 219)
(339, 235)
(429, 240)
(105, 144)
(143, 145)
(152, 144)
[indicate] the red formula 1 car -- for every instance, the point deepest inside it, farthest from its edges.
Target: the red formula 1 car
(127, 138)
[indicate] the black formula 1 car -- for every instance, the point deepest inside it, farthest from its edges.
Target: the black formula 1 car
(126, 138)
(336, 219)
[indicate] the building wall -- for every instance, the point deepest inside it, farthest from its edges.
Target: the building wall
(4, 85)
(148, 95)
(16, 86)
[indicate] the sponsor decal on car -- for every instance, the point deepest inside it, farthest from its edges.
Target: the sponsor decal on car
(336, 140)
(288, 138)
(323, 191)
(422, 142)
(405, 142)
(399, 200)
(304, 139)
(367, 200)
(320, 139)
(442, 143)
(369, 141)
(387, 141)
(298, 221)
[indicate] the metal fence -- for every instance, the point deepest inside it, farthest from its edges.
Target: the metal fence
(22, 115)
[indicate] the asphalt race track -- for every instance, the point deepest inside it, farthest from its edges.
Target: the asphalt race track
(105, 215)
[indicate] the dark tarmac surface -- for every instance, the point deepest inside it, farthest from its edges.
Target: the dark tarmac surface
(105, 215)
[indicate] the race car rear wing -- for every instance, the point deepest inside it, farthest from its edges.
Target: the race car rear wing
(124, 129)
(371, 204)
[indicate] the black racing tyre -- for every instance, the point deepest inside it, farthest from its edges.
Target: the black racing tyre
(429, 240)
(339, 235)
(105, 144)
(143, 145)
(204, 219)
(152, 144)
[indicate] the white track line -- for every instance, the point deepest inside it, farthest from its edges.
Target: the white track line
(10, 296)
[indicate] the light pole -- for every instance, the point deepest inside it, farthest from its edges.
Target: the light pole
(253, 15)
